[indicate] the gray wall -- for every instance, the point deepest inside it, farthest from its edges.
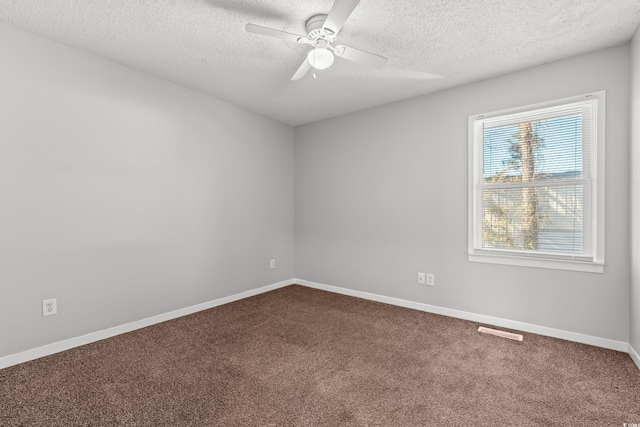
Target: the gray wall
(124, 196)
(634, 319)
(382, 194)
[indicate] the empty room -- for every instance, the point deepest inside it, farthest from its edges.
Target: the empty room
(319, 213)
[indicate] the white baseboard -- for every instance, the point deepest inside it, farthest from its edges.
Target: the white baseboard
(496, 321)
(634, 356)
(46, 350)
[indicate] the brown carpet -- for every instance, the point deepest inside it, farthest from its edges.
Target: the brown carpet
(302, 357)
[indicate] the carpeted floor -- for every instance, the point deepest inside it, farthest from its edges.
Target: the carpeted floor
(302, 357)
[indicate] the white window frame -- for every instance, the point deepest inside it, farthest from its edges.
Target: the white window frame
(594, 175)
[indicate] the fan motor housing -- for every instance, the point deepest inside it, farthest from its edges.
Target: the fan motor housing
(315, 32)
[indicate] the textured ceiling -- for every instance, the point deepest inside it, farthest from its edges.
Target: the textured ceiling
(430, 44)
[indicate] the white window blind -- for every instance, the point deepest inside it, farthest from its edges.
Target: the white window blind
(534, 183)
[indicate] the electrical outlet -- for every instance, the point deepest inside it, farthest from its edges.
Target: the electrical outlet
(431, 280)
(49, 307)
(273, 263)
(421, 279)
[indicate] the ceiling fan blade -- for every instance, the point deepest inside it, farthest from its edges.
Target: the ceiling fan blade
(340, 12)
(306, 66)
(264, 31)
(360, 56)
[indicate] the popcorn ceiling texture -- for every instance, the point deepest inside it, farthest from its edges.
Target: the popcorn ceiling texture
(431, 45)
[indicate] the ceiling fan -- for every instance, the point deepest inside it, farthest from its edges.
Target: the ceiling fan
(322, 31)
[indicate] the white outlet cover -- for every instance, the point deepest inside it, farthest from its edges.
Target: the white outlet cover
(49, 307)
(431, 280)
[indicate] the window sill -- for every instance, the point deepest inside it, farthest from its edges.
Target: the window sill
(589, 267)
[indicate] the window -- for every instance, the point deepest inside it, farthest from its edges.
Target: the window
(536, 185)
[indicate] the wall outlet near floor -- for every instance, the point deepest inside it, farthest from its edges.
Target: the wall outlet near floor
(431, 279)
(273, 263)
(49, 307)
(421, 278)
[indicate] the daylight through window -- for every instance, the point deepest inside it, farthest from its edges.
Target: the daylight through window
(535, 185)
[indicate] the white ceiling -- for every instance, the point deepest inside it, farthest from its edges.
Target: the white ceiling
(430, 44)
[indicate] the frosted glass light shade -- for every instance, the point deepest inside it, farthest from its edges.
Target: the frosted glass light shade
(320, 58)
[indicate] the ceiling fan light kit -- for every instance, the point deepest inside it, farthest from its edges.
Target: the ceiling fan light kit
(322, 31)
(320, 58)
